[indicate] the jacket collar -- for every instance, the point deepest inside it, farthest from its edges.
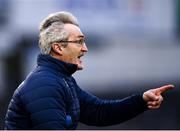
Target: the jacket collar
(57, 65)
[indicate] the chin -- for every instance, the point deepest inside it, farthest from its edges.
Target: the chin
(80, 67)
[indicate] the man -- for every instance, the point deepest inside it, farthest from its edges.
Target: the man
(49, 98)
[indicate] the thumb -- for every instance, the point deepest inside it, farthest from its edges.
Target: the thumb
(150, 96)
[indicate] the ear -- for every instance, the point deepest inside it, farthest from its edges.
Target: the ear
(57, 48)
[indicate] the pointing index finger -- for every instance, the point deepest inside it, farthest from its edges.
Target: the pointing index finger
(164, 88)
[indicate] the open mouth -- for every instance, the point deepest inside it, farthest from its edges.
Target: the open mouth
(79, 61)
(80, 56)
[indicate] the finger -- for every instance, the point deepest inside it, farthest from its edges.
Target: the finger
(154, 103)
(163, 89)
(153, 107)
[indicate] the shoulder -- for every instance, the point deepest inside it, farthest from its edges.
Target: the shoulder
(42, 85)
(42, 78)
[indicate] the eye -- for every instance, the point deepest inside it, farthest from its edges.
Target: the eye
(81, 42)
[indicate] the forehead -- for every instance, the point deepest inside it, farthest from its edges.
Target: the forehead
(73, 30)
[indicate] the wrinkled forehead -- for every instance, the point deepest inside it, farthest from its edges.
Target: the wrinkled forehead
(74, 31)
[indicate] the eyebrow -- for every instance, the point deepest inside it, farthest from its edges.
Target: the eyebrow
(81, 36)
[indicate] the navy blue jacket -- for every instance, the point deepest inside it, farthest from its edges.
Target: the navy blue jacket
(49, 98)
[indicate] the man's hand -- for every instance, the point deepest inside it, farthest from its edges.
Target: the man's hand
(154, 98)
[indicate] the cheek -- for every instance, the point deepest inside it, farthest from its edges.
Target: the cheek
(72, 54)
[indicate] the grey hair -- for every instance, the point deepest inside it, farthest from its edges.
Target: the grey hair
(52, 30)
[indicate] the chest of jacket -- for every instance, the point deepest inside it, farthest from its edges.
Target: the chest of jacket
(72, 103)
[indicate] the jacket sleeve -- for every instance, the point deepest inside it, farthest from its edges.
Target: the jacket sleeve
(46, 106)
(97, 112)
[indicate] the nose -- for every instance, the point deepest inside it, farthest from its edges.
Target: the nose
(84, 48)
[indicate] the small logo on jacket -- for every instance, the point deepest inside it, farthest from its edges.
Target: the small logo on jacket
(68, 121)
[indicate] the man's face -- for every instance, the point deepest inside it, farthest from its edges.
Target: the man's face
(73, 52)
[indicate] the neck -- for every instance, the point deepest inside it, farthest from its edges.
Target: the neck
(55, 55)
